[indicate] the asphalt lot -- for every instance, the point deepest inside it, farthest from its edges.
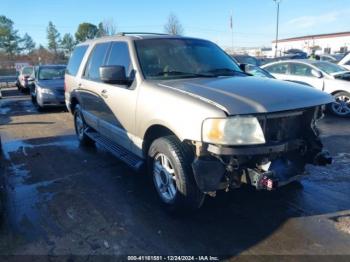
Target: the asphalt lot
(63, 199)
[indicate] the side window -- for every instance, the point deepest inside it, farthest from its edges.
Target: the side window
(301, 70)
(96, 59)
(347, 63)
(119, 55)
(278, 69)
(75, 60)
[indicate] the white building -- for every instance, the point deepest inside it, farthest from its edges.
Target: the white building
(323, 44)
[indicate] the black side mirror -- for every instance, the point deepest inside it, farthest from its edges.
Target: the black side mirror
(114, 74)
(243, 67)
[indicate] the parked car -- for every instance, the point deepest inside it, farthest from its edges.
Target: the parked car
(182, 109)
(345, 62)
(48, 88)
(324, 76)
(246, 59)
(328, 58)
(259, 72)
(295, 54)
(25, 78)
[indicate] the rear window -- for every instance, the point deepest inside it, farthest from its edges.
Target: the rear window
(75, 60)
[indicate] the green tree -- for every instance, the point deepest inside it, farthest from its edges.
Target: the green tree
(100, 30)
(9, 38)
(28, 43)
(53, 37)
(86, 31)
(68, 44)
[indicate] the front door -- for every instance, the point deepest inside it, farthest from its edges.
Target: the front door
(118, 120)
(303, 73)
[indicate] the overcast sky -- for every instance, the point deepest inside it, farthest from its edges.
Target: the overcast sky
(254, 21)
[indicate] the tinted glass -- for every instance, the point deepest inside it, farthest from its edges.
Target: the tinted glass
(119, 55)
(247, 60)
(179, 58)
(301, 70)
(75, 60)
(51, 73)
(96, 60)
(278, 69)
(257, 71)
(329, 68)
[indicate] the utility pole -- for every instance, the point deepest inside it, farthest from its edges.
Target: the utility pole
(277, 24)
(231, 26)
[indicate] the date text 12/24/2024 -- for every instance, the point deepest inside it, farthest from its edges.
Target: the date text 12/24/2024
(173, 258)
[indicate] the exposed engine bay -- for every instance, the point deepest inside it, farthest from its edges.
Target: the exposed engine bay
(292, 142)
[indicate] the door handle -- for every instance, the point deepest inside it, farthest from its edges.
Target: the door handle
(104, 93)
(80, 85)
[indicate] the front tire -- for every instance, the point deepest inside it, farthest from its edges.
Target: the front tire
(341, 107)
(169, 163)
(80, 126)
(37, 105)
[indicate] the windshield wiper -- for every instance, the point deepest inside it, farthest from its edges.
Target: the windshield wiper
(184, 74)
(225, 72)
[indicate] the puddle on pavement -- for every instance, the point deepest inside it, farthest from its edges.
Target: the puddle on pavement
(26, 204)
(5, 106)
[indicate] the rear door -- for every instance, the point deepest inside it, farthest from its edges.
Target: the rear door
(90, 89)
(303, 73)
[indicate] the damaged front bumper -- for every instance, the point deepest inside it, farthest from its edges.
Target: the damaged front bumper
(265, 167)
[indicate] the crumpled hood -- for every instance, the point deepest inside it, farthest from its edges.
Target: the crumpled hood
(56, 84)
(250, 95)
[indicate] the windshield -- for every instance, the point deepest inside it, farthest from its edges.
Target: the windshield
(27, 70)
(50, 73)
(329, 68)
(183, 58)
(247, 60)
(257, 71)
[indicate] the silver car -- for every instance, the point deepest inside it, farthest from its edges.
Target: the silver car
(48, 88)
(321, 75)
(182, 110)
(25, 78)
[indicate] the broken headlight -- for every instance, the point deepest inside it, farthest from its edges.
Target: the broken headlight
(237, 130)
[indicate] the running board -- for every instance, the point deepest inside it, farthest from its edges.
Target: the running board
(118, 151)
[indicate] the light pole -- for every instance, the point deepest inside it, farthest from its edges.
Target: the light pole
(277, 24)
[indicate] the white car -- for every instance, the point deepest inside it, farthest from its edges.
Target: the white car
(345, 62)
(328, 77)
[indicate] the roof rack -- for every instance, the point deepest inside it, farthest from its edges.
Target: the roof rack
(139, 33)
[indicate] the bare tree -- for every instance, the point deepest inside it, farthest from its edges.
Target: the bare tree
(173, 25)
(107, 27)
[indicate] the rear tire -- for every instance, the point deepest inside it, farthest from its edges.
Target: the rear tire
(80, 126)
(169, 164)
(341, 107)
